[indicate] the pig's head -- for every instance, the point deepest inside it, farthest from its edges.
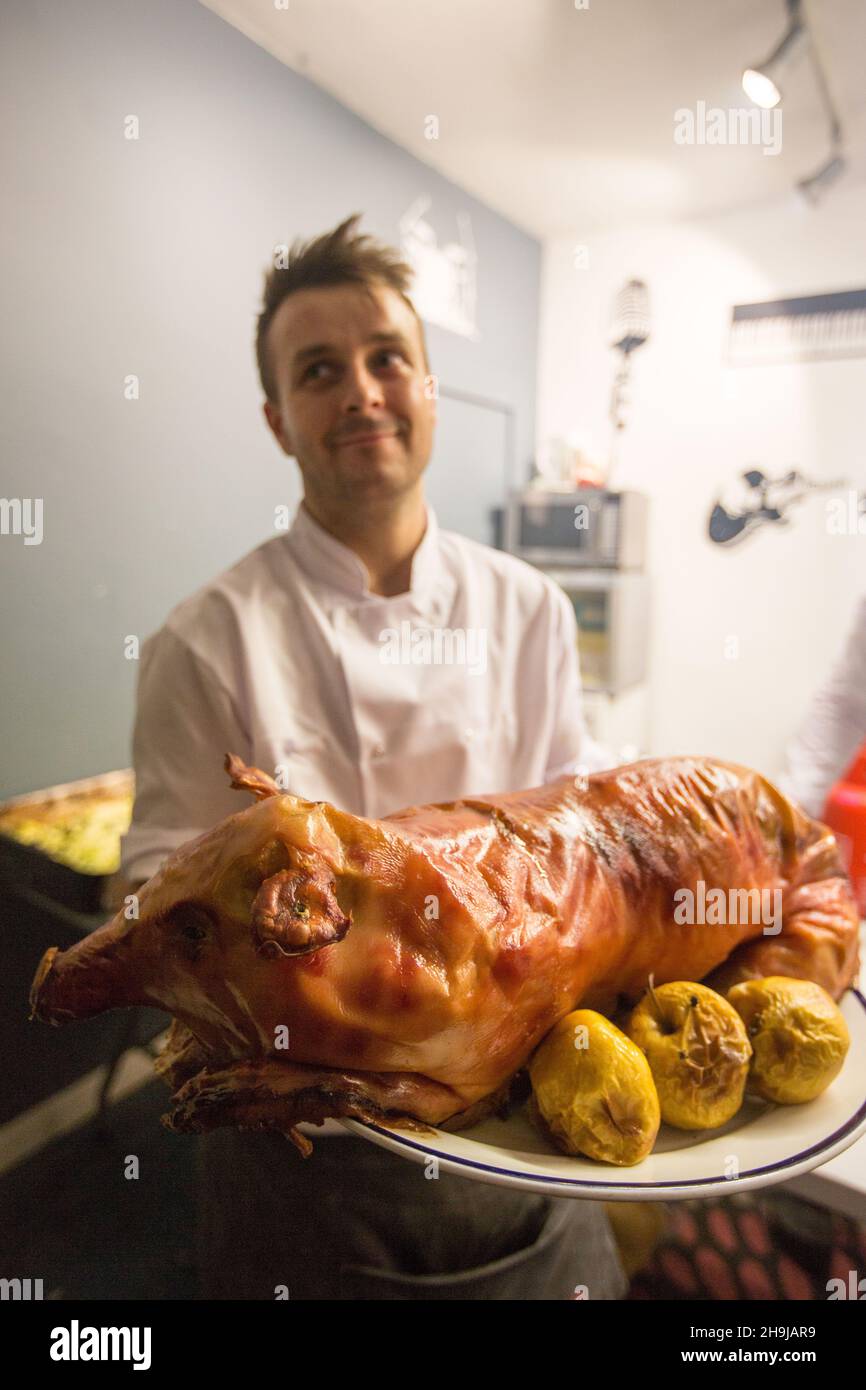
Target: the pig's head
(203, 937)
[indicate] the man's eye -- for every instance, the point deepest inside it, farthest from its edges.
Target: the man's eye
(382, 356)
(314, 366)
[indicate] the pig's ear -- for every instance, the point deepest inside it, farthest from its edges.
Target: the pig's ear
(296, 911)
(250, 779)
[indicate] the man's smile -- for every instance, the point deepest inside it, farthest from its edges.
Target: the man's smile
(371, 437)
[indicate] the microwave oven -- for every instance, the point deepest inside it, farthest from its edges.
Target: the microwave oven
(587, 527)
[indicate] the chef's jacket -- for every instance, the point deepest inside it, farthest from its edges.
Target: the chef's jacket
(834, 727)
(467, 683)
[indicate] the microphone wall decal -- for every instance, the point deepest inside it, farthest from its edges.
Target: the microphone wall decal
(630, 330)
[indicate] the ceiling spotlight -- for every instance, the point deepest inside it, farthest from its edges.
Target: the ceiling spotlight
(759, 82)
(761, 89)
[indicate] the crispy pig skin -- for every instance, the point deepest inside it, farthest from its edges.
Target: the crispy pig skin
(319, 964)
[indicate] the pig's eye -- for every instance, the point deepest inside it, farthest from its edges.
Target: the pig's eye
(301, 909)
(191, 922)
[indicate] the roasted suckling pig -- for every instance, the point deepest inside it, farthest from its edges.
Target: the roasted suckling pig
(320, 964)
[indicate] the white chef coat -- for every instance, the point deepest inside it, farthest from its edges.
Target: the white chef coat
(283, 660)
(834, 727)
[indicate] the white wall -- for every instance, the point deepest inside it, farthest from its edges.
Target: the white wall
(788, 592)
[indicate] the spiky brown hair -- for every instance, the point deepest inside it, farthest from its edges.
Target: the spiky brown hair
(338, 257)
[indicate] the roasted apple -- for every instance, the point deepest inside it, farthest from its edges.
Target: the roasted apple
(799, 1037)
(698, 1052)
(593, 1091)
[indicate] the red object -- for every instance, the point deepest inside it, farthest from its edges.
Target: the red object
(845, 813)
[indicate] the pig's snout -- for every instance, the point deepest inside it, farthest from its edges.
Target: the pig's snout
(92, 976)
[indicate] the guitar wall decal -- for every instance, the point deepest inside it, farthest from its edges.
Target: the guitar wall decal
(755, 500)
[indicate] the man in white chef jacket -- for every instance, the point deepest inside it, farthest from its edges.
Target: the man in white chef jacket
(834, 725)
(299, 659)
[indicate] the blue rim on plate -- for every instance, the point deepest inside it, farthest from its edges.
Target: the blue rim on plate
(800, 1161)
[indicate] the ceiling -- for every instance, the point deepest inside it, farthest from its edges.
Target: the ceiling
(562, 118)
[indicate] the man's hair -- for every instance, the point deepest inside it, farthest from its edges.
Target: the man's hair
(334, 258)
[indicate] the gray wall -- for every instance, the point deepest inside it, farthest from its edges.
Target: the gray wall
(147, 257)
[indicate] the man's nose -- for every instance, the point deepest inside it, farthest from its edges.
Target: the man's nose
(362, 388)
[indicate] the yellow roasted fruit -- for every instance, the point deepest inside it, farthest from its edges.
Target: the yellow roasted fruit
(593, 1090)
(698, 1052)
(798, 1035)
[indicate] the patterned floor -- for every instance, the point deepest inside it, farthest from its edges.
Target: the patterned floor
(764, 1245)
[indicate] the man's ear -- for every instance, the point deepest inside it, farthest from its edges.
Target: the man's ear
(280, 432)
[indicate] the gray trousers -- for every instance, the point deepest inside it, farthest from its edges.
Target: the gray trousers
(354, 1221)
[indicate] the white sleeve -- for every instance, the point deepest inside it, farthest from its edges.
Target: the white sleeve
(185, 723)
(834, 727)
(572, 747)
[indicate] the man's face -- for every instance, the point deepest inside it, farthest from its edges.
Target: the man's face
(351, 400)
